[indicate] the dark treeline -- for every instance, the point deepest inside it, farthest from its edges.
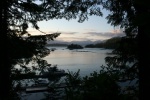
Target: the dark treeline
(108, 44)
(16, 15)
(129, 63)
(74, 46)
(56, 44)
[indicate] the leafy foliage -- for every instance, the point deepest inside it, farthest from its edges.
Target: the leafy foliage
(73, 89)
(96, 86)
(21, 47)
(132, 16)
(125, 64)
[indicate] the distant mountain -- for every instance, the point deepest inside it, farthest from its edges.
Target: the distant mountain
(82, 43)
(111, 43)
(57, 42)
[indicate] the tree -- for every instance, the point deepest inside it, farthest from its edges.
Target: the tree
(74, 46)
(19, 46)
(99, 86)
(124, 65)
(111, 43)
(133, 17)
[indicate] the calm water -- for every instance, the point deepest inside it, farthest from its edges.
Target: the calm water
(87, 59)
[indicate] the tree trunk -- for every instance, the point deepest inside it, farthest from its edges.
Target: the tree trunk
(144, 53)
(144, 62)
(5, 64)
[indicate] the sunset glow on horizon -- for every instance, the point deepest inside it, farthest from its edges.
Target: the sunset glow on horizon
(93, 29)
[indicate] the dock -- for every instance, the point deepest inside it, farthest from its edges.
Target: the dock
(36, 89)
(44, 88)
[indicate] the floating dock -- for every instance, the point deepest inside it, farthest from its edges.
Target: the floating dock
(36, 89)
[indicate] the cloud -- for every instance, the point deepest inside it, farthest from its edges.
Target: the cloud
(72, 39)
(68, 33)
(63, 32)
(90, 29)
(36, 32)
(78, 36)
(105, 34)
(92, 36)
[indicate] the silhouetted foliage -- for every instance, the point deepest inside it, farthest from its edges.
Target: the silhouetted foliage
(74, 46)
(125, 65)
(133, 17)
(111, 43)
(129, 60)
(90, 46)
(98, 86)
(18, 45)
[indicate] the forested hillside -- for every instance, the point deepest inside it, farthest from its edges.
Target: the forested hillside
(111, 43)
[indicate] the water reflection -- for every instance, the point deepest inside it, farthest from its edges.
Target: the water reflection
(87, 59)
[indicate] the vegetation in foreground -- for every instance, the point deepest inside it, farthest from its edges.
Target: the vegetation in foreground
(131, 15)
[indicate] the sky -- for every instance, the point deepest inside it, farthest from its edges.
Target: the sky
(94, 29)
